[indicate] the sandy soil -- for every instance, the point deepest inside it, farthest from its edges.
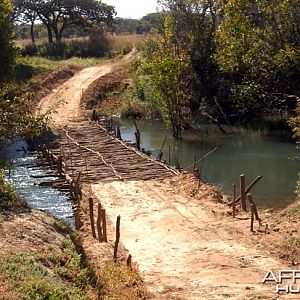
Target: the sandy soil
(64, 103)
(183, 248)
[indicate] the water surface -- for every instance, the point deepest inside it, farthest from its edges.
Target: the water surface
(241, 152)
(43, 198)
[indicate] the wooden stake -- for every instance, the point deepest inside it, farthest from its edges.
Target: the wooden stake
(119, 133)
(251, 201)
(117, 238)
(233, 200)
(99, 220)
(169, 154)
(243, 193)
(129, 261)
(103, 214)
(249, 187)
(91, 205)
(195, 163)
(252, 218)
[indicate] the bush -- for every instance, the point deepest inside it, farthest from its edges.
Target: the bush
(9, 199)
(29, 50)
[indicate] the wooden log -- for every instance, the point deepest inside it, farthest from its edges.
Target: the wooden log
(249, 187)
(243, 192)
(251, 201)
(91, 206)
(99, 221)
(103, 214)
(252, 218)
(233, 200)
(117, 238)
(129, 261)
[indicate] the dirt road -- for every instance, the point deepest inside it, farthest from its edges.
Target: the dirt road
(63, 104)
(184, 250)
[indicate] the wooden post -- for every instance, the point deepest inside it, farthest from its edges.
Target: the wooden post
(160, 155)
(252, 218)
(138, 139)
(195, 163)
(169, 154)
(99, 220)
(251, 201)
(233, 200)
(117, 238)
(77, 218)
(129, 261)
(103, 214)
(119, 133)
(243, 193)
(59, 165)
(91, 205)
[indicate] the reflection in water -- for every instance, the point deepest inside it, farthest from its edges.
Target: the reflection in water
(247, 153)
(43, 198)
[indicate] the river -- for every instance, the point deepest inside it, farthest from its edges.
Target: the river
(43, 198)
(249, 152)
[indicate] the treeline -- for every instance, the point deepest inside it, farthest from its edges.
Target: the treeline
(15, 106)
(229, 62)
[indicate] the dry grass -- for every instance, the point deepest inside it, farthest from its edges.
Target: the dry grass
(120, 282)
(124, 43)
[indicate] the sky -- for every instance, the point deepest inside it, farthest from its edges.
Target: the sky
(134, 9)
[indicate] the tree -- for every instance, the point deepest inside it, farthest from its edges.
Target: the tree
(7, 50)
(60, 15)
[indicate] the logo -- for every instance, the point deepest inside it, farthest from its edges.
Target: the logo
(287, 281)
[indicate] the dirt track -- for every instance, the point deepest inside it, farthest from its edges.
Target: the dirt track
(183, 250)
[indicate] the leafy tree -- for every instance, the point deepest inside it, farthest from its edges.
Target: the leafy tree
(60, 15)
(7, 50)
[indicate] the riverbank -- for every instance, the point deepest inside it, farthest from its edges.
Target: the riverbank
(43, 257)
(185, 242)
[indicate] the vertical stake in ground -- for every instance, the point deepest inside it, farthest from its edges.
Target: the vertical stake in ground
(243, 193)
(233, 200)
(252, 218)
(91, 205)
(129, 261)
(103, 214)
(99, 226)
(117, 238)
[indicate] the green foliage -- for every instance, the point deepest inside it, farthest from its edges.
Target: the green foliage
(48, 275)
(295, 125)
(97, 45)
(16, 115)
(7, 50)
(161, 80)
(9, 199)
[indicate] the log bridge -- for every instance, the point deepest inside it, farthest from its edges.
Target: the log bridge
(91, 150)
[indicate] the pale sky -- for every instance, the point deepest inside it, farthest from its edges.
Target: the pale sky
(134, 9)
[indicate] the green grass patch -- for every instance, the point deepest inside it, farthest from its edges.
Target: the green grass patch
(48, 275)
(28, 67)
(9, 199)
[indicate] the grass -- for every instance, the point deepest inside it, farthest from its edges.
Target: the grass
(120, 282)
(46, 276)
(122, 44)
(45, 64)
(9, 199)
(31, 68)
